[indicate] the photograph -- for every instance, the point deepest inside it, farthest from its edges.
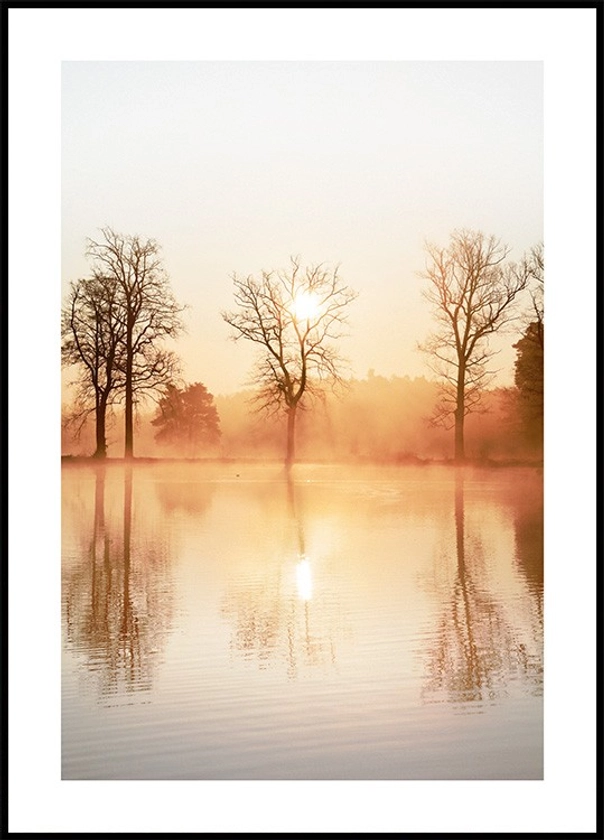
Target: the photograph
(306, 488)
(302, 420)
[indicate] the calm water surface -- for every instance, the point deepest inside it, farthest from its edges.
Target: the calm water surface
(222, 622)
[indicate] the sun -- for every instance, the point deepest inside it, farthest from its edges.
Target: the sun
(305, 306)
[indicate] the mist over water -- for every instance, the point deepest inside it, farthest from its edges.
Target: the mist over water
(234, 621)
(376, 419)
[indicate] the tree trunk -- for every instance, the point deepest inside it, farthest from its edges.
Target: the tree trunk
(459, 441)
(101, 438)
(459, 416)
(291, 430)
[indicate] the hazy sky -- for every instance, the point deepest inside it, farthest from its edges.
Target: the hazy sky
(235, 166)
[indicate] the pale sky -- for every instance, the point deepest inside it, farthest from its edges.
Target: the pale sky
(233, 166)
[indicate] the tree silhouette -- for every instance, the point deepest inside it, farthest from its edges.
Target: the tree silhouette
(294, 316)
(529, 366)
(472, 291)
(187, 416)
(528, 378)
(533, 265)
(92, 334)
(148, 314)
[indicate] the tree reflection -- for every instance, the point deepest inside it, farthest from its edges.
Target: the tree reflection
(277, 617)
(528, 525)
(477, 650)
(189, 497)
(117, 600)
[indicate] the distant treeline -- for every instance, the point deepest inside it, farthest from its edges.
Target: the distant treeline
(377, 419)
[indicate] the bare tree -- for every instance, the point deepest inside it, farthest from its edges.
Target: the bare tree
(149, 313)
(472, 291)
(91, 340)
(294, 316)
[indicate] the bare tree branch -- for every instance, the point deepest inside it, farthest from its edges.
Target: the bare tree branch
(473, 292)
(294, 316)
(148, 312)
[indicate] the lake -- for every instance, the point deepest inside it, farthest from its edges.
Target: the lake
(221, 621)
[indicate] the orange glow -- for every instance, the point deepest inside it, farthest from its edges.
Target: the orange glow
(305, 306)
(304, 580)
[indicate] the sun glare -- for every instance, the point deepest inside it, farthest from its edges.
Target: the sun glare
(304, 580)
(305, 306)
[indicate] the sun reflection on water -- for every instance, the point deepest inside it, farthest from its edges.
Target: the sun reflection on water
(304, 579)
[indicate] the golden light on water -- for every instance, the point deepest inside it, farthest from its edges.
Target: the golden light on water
(304, 580)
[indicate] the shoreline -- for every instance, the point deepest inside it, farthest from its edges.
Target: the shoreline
(408, 461)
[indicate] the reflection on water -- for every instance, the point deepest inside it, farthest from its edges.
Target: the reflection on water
(188, 497)
(273, 614)
(479, 648)
(233, 622)
(117, 600)
(528, 527)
